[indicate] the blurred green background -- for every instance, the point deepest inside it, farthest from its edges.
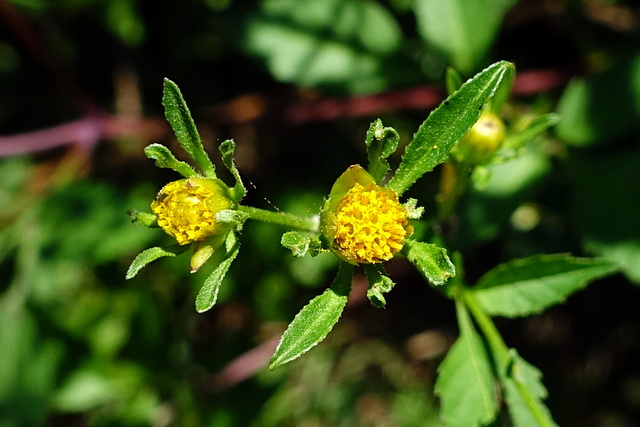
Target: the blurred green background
(296, 83)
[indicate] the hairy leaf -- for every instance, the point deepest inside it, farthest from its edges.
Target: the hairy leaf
(432, 261)
(179, 117)
(208, 294)
(446, 125)
(165, 159)
(149, 255)
(314, 322)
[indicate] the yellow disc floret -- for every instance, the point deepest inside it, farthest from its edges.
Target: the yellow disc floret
(186, 209)
(370, 224)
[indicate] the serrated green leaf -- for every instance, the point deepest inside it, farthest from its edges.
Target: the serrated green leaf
(165, 159)
(149, 255)
(381, 142)
(227, 149)
(523, 392)
(503, 91)
(314, 322)
(446, 125)
(208, 294)
(379, 284)
(527, 286)
(432, 261)
(179, 117)
(465, 380)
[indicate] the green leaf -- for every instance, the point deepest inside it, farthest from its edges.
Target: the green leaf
(527, 286)
(431, 260)
(523, 392)
(465, 380)
(146, 219)
(179, 117)
(149, 255)
(208, 294)
(446, 125)
(296, 242)
(314, 322)
(461, 30)
(381, 142)
(227, 149)
(503, 92)
(232, 218)
(165, 159)
(379, 284)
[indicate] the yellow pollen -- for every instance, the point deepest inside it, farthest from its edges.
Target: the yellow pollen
(186, 209)
(371, 225)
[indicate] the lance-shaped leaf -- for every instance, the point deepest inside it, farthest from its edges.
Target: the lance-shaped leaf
(179, 117)
(446, 125)
(381, 142)
(527, 286)
(465, 383)
(208, 294)
(149, 255)
(524, 393)
(314, 322)
(165, 159)
(432, 261)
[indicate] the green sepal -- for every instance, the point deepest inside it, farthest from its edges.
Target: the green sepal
(179, 117)
(379, 284)
(381, 142)
(165, 159)
(152, 254)
(314, 322)
(146, 219)
(431, 261)
(413, 210)
(233, 218)
(446, 125)
(452, 80)
(208, 294)
(227, 149)
(300, 244)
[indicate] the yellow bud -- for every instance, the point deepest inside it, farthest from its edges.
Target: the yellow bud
(187, 208)
(363, 222)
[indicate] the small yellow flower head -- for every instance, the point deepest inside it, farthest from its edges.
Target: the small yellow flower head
(364, 223)
(186, 209)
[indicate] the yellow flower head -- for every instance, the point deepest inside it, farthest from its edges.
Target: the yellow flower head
(186, 209)
(364, 223)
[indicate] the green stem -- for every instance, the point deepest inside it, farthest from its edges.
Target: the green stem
(282, 218)
(503, 356)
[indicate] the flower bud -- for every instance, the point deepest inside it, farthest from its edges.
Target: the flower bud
(186, 209)
(483, 140)
(363, 222)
